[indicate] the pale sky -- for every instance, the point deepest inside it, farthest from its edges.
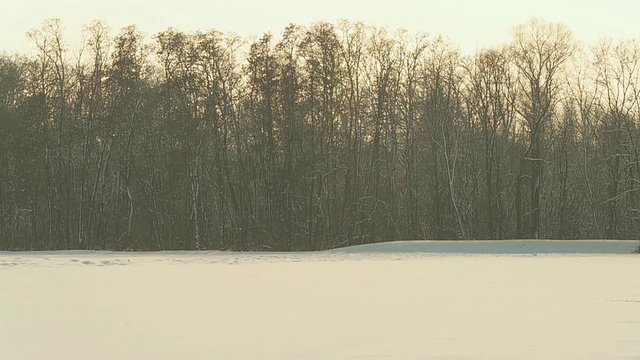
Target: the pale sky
(468, 24)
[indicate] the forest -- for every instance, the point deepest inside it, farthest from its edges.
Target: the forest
(326, 136)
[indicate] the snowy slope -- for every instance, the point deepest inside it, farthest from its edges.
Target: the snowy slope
(358, 303)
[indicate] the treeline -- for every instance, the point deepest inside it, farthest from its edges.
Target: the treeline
(332, 135)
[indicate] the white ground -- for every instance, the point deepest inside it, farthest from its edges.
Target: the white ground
(371, 302)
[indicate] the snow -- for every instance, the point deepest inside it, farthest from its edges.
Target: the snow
(500, 247)
(405, 300)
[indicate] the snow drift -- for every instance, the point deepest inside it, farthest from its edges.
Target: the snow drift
(499, 247)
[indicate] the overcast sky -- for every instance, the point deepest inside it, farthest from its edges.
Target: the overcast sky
(469, 24)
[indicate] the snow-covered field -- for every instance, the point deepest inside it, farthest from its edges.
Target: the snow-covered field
(406, 300)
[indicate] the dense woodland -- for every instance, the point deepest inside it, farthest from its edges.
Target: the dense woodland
(326, 136)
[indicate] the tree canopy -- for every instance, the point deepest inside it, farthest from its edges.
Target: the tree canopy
(329, 135)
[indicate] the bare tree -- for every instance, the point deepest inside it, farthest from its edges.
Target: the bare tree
(539, 50)
(618, 76)
(492, 96)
